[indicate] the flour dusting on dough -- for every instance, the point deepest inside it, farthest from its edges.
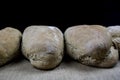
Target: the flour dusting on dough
(114, 28)
(52, 28)
(55, 36)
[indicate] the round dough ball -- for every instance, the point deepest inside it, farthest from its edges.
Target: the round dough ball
(89, 44)
(43, 46)
(9, 44)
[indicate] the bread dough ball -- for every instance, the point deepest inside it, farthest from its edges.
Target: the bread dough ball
(43, 46)
(90, 45)
(9, 44)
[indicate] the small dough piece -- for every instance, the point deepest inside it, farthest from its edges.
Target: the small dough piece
(115, 32)
(90, 45)
(9, 44)
(43, 46)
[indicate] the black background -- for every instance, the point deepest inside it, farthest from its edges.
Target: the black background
(104, 13)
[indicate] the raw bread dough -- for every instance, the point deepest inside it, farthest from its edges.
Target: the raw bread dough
(91, 45)
(115, 32)
(9, 44)
(43, 46)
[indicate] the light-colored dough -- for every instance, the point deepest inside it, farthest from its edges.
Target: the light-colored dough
(91, 45)
(9, 44)
(115, 32)
(43, 46)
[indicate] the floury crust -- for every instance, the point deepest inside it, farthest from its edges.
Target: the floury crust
(115, 32)
(91, 45)
(43, 46)
(9, 44)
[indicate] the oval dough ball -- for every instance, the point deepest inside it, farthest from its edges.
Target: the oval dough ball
(9, 44)
(90, 45)
(43, 46)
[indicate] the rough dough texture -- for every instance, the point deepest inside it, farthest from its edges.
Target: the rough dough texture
(111, 59)
(43, 46)
(91, 45)
(9, 44)
(115, 32)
